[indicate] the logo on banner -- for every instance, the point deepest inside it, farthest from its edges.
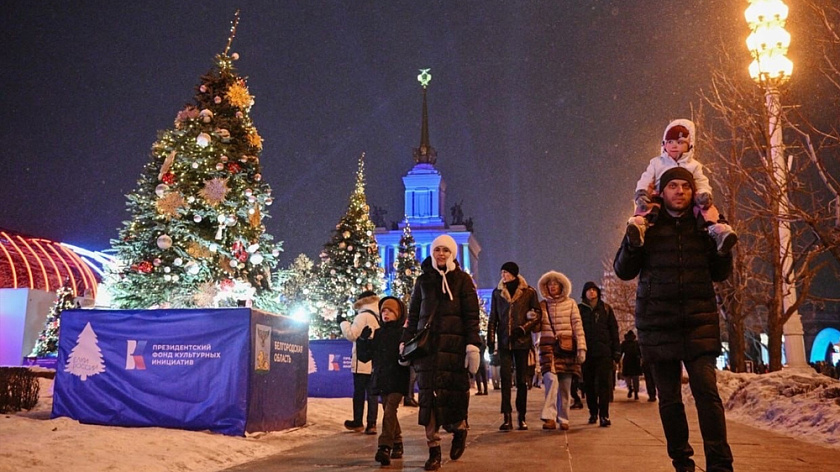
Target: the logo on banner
(85, 358)
(334, 362)
(263, 348)
(134, 355)
(313, 367)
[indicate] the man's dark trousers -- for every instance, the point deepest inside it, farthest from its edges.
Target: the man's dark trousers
(703, 383)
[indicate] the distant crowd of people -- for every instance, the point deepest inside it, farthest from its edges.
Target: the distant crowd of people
(676, 243)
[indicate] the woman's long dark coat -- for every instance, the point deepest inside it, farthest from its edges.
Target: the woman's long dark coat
(442, 378)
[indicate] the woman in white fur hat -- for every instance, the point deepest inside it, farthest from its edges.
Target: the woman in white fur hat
(446, 293)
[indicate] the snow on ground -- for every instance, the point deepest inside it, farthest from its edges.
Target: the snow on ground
(800, 404)
(804, 405)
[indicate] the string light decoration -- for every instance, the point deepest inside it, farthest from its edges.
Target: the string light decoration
(349, 263)
(47, 343)
(406, 267)
(204, 190)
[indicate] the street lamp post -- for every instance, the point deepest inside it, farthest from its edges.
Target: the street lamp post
(770, 68)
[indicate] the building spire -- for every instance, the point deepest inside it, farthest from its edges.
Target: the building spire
(425, 154)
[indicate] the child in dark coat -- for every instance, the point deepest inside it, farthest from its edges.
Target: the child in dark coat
(390, 379)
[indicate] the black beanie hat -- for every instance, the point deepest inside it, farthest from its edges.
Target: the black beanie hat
(677, 173)
(511, 267)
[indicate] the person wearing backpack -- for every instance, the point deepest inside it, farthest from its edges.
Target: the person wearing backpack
(361, 333)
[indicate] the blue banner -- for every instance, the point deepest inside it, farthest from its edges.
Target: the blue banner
(183, 369)
(329, 368)
(280, 354)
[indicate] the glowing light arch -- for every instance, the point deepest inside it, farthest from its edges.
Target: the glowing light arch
(824, 338)
(42, 264)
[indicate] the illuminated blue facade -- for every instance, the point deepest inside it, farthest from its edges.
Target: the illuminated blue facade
(425, 206)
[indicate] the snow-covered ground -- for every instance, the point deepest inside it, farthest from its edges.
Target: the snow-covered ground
(804, 405)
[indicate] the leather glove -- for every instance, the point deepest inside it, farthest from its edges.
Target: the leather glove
(703, 200)
(365, 334)
(519, 332)
(473, 359)
(340, 318)
(581, 356)
(642, 200)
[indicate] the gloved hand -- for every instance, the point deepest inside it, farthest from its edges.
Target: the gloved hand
(642, 200)
(340, 318)
(703, 200)
(581, 356)
(519, 332)
(473, 359)
(402, 360)
(365, 333)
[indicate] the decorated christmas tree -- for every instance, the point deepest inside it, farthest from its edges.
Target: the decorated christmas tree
(349, 263)
(406, 267)
(47, 343)
(196, 236)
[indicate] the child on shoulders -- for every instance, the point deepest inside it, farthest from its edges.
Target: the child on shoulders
(677, 151)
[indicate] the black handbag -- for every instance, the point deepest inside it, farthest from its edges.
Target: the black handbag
(420, 345)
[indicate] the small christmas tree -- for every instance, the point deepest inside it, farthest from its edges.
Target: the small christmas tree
(196, 236)
(406, 267)
(349, 263)
(47, 343)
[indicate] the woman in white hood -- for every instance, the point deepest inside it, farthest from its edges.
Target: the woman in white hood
(562, 348)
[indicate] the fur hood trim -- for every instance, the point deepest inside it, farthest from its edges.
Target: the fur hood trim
(519, 289)
(366, 302)
(565, 283)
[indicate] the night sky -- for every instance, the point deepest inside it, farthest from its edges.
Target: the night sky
(543, 113)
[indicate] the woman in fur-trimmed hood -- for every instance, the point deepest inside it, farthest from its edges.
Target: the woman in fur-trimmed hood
(562, 347)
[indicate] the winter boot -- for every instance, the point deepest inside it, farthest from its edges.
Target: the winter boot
(522, 425)
(397, 451)
(459, 443)
(434, 459)
(383, 455)
(507, 425)
(724, 236)
(353, 426)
